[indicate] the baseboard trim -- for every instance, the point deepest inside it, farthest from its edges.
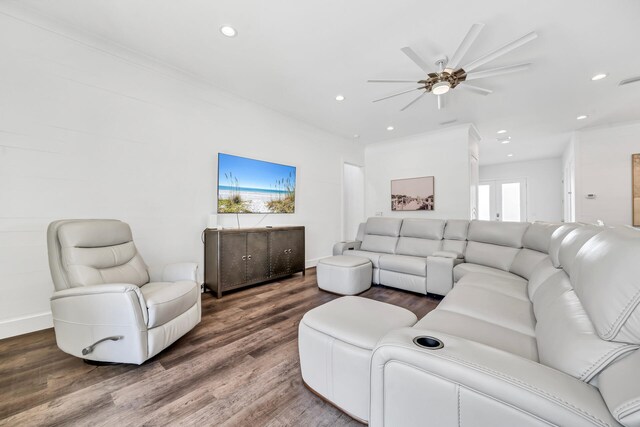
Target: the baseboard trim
(312, 262)
(25, 324)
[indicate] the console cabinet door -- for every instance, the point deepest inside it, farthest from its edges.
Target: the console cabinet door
(233, 252)
(296, 252)
(257, 256)
(279, 248)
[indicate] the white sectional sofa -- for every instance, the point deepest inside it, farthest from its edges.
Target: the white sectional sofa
(430, 255)
(541, 328)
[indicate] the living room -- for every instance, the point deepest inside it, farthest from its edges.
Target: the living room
(124, 110)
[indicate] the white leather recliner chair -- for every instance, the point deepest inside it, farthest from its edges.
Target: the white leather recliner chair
(108, 306)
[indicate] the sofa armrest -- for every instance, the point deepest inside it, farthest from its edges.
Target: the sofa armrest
(108, 303)
(440, 272)
(448, 254)
(340, 247)
(174, 272)
(472, 381)
(102, 322)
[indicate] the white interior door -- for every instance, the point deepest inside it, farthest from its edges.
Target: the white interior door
(353, 200)
(503, 200)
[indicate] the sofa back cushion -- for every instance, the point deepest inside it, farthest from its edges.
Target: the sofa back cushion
(556, 240)
(381, 235)
(572, 243)
(456, 229)
(606, 278)
(526, 261)
(498, 233)
(538, 236)
(420, 237)
(495, 256)
(566, 337)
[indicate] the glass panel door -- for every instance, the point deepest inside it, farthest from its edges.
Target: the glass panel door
(502, 200)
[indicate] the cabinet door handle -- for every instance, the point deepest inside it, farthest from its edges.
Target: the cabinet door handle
(244, 258)
(248, 256)
(285, 251)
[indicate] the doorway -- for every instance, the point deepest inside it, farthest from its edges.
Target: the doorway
(502, 200)
(352, 199)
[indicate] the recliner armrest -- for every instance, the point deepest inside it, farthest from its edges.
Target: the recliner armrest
(340, 247)
(174, 272)
(448, 254)
(458, 380)
(100, 302)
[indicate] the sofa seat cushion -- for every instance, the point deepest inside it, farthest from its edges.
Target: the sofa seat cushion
(478, 330)
(509, 286)
(167, 300)
(492, 307)
(358, 321)
(374, 257)
(460, 270)
(404, 264)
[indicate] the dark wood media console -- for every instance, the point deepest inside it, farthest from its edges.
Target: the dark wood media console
(236, 258)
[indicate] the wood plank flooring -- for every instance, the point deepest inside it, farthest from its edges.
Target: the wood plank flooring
(238, 367)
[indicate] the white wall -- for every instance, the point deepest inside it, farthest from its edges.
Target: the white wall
(603, 168)
(88, 130)
(443, 154)
(544, 185)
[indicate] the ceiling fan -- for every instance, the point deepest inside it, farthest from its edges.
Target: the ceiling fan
(448, 75)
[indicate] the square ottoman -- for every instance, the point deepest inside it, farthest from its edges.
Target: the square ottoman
(335, 341)
(344, 274)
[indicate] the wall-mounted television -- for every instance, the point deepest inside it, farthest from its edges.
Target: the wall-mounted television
(255, 186)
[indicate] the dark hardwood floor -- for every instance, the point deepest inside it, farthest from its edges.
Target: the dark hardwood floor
(238, 367)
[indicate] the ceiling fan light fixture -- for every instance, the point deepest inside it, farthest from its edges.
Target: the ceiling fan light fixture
(339, 98)
(599, 76)
(501, 131)
(582, 117)
(441, 88)
(390, 128)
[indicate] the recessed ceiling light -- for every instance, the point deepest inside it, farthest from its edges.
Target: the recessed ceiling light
(228, 31)
(502, 131)
(356, 136)
(505, 141)
(509, 155)
(339, 97)
(582, 117)
(390, 127)
(599, 76)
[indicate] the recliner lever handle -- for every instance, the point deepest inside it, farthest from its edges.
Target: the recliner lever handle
(90, 348)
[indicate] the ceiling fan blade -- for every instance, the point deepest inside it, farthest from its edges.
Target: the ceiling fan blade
(391, 81)
(474, 89)
(414, 101)
(440, 102)
(466, 43)
(497, 71)
(399, 93)
(500, 51)
(416, 59)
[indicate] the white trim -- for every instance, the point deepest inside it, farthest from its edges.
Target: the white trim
(25, 324)
(313, 262)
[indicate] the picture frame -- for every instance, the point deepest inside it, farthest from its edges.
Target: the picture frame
(413, 194)
(635, 189)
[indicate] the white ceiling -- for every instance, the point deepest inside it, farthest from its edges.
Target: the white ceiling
(295, 56)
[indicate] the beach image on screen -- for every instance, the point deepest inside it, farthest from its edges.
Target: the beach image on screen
(255, 186)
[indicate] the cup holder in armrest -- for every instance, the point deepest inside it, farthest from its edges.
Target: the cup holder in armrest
(430, 343)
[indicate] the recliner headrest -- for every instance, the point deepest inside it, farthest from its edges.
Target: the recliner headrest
(573, 242)
(432, 229)
(94, 233)
(538, 236)
(384, 226)
(498, 233)
(556, 240)
(456, 229)
(606, 278)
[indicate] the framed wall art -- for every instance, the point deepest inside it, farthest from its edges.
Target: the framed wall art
(413, 194)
